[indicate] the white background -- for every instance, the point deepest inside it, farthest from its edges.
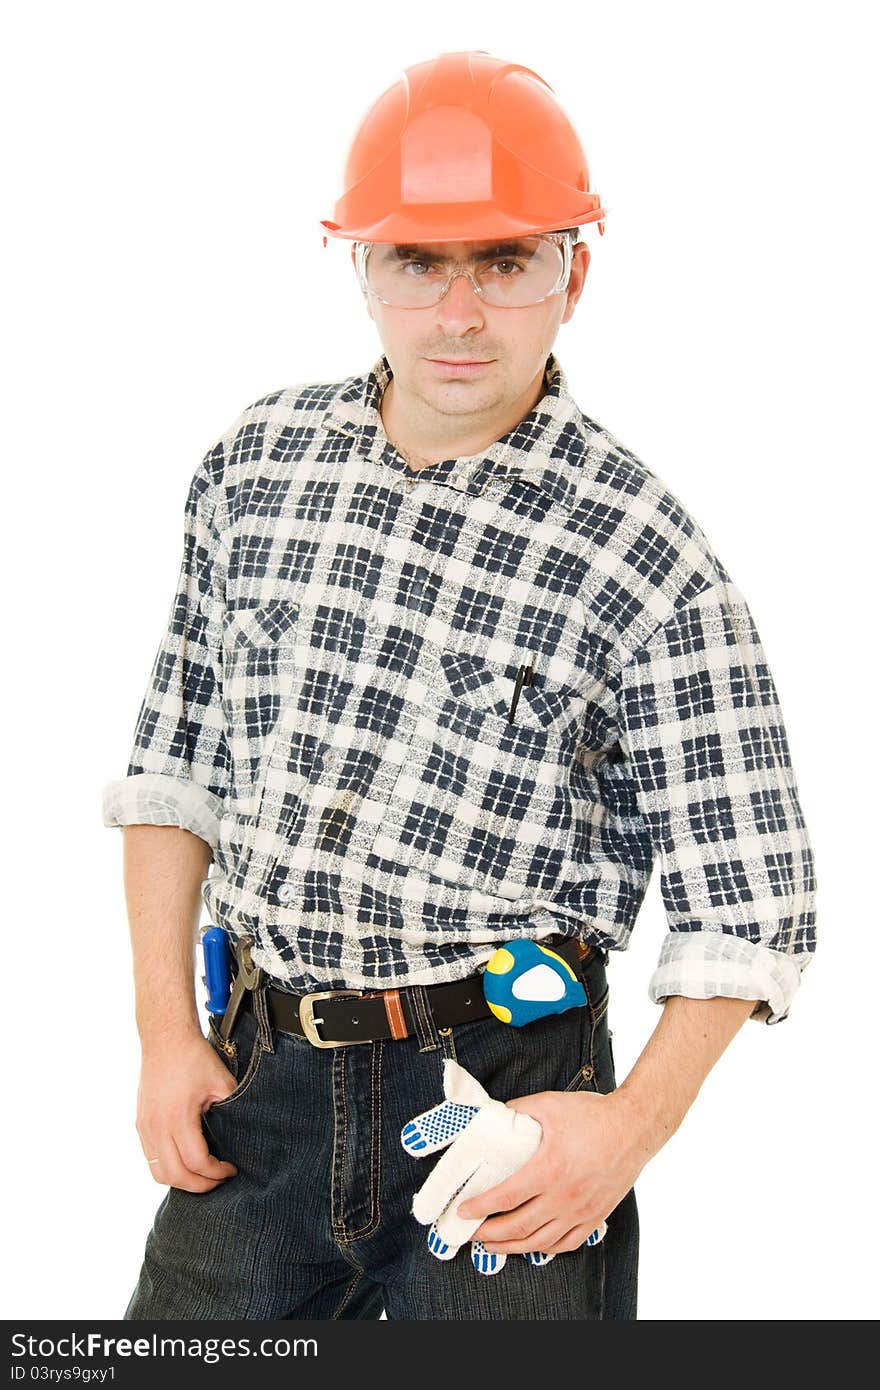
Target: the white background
(167, 167)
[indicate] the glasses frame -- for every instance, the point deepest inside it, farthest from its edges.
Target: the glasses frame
(566, 240)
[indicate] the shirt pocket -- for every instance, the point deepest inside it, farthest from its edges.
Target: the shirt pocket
(259, 668)
(543, 706)
(480, 801)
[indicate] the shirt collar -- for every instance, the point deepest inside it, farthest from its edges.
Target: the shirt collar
(546, 448)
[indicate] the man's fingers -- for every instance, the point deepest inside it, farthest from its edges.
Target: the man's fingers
(542, 1236)
(163, 1159)
(197, 1172)
(555, 1236)
(197, 1157)
(504, 1196)
(520, 1224)
(184, 1177)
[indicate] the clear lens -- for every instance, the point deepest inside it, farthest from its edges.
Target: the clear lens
(509, 274)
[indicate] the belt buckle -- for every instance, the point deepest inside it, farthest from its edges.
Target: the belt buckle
(307, 1016)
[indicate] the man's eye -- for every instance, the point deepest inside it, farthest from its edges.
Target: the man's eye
(423, 266)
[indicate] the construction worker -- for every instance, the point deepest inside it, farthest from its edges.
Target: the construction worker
(447, 669)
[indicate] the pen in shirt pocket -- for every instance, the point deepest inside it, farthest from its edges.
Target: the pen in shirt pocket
(523, 677)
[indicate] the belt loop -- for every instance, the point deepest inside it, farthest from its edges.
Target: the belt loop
(423, 1018)
(261, 1013)
(447, 1042)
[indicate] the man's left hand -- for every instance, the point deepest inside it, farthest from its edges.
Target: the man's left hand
(592, 1150)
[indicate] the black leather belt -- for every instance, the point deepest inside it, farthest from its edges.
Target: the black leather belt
(334, 1017)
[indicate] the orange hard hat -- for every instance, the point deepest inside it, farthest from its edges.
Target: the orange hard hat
(464, 147)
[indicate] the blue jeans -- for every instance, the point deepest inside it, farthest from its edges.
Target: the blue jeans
(317, 1221)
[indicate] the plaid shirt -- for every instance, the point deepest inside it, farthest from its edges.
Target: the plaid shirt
(329, 708)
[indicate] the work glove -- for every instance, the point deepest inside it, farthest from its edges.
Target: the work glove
(487, 1141)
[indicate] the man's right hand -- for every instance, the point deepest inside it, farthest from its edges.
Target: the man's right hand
(178, 1082)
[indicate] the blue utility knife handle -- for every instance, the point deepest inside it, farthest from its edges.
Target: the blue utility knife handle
(218, 968)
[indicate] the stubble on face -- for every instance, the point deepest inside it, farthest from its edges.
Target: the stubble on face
(428, 422)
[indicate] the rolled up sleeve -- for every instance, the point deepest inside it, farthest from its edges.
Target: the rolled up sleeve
(702, 728)
(179, 767)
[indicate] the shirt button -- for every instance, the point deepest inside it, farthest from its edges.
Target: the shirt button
(285, 893)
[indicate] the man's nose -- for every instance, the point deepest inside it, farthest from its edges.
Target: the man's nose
(460, 305)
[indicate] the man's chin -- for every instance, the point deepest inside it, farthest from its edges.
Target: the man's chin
(455, 401)
(461, 393)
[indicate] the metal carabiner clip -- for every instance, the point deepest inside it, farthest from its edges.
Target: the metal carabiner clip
(249, 976)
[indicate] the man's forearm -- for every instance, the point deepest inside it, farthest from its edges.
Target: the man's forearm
(164, 868)
(687, 1042)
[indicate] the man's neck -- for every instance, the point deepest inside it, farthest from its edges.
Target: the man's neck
(420, 451)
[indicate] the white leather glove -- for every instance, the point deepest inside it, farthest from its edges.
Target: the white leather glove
(487, 1141)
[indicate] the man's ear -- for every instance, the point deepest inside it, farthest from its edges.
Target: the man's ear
(579, 268)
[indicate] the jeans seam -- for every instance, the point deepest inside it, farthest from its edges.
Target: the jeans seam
(346, 1255)
(601, 1011)
(338, 1143)
(346, 1297)
(341, 1234)
(375, 1156)
(377, 1203)
(581, 1081)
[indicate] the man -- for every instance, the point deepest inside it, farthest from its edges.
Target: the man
(447, 669)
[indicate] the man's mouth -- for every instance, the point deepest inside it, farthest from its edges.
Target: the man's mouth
(460, 364)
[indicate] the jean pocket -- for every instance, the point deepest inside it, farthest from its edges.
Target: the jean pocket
(246, 1043)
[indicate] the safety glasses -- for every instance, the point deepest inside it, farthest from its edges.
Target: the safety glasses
(508, 273)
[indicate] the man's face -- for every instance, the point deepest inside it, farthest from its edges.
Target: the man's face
(511, 344)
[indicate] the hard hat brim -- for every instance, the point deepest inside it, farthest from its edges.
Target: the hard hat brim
(464, 222)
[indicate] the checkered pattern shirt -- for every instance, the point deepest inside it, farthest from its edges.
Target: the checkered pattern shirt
(329, 708)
